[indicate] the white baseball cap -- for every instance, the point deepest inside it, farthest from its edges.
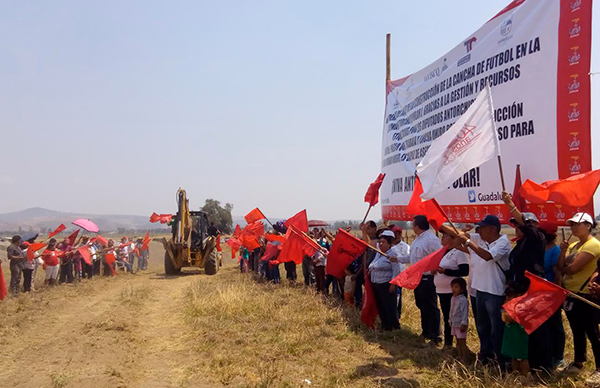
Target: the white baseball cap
(388, 233)
(581, 217)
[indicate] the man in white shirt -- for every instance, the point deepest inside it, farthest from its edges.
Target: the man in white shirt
(489, 260)
(425, 244)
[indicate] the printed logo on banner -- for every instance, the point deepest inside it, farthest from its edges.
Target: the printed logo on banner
(445, 65)
(467, 215)
(543, 216)
(472, 196)
(395, 96)
(575, 5)
(469, 46)
(477, 215)
(575, 29)
(457, 214)
(462, 142)
(499, 213)
(559, 214)
(574, 57)
(574, 85)
(574, 166)
(574, 143)
(574, 113)
(506, 26)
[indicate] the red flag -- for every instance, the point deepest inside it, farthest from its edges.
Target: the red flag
(237, 231)
(85, 254)
(146, 241)
(411, 277)
(539, 303)
(518, 200)
(574, 191)
(270, 252)
(254, 215)
(101, 240)
(72, 237)
(32, 249)
(296, 246)
(430, 208)
(369, 308)
(162, 218)
(3, 289)
(60, 228)
(372, 195)
(110, 259)
(274, 237)
(344, 250)
(235, 245)
(250, 234)
(300, 221)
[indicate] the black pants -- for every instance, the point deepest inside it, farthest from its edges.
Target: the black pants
(557, 335)
(399, 297)
(320, 278)
(445, 300)
(358, 291)
(27, 275)
(96, 267)
(290, 271)
(583, 324)
(386, 304)
(306, 271)
(474, 308)
(88, 270)
(66, 272)
(330, 280)
(107, 270)
(426, 301)
(540, 348)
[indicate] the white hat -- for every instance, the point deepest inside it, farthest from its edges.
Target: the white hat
(388, 233)
(581, 217)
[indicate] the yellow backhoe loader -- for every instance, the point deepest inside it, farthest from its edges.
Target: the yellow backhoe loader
(191, 243)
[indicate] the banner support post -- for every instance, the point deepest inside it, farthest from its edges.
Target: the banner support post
(388, 62)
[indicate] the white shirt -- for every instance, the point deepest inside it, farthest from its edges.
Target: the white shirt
(486, 275)
(402, 252)
(451, 260)
(424, 245)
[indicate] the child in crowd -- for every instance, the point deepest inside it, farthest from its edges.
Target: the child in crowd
(515, 343)
(349, 287)
(459, 316)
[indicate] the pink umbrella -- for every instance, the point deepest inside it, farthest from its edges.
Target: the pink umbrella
(86, 224)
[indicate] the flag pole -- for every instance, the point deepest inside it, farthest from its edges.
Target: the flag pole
(366, 215)
(489, 90)
(574, 295)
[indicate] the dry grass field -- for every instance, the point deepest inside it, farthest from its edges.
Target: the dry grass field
(228, 330)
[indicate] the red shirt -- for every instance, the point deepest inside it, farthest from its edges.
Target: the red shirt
(50, 257)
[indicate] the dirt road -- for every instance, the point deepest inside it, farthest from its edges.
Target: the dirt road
(127, 331)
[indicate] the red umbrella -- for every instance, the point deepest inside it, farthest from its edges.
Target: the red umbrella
(86, 224)
(315, 223)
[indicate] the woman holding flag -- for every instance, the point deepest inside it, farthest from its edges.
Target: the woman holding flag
(577, 264)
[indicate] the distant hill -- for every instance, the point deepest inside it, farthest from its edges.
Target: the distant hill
(39, 219)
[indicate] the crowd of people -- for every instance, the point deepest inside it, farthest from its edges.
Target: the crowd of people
(481, 270)
(63, 261)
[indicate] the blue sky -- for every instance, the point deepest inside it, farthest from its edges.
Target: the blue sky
(109, 107)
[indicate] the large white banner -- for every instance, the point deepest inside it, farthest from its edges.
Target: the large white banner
(535, 55)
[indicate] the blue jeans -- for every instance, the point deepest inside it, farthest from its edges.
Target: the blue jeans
(490, 326)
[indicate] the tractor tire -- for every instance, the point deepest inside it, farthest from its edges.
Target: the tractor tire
(212, 263)
(169, 267)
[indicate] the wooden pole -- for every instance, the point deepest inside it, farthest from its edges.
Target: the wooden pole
(388, 61)
(574, 295)
(501, 173)
(366, 215)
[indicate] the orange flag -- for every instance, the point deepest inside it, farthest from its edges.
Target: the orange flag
(146, 241)
(430, 208)
(33, 248)
(254, 215)
(369, 308)
(235, 245)
(300, 221)
(372, 195)
(101, 240)
(110, 259)
(539, 303)
(574, 191)
(3, 289)
(60, 228)
(274, 237)
(237, 231)
(163, 218)
(344, 250)
(296, 246)
(85, 254)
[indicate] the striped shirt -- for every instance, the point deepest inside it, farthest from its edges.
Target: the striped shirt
(424, 245)
(382, 270)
